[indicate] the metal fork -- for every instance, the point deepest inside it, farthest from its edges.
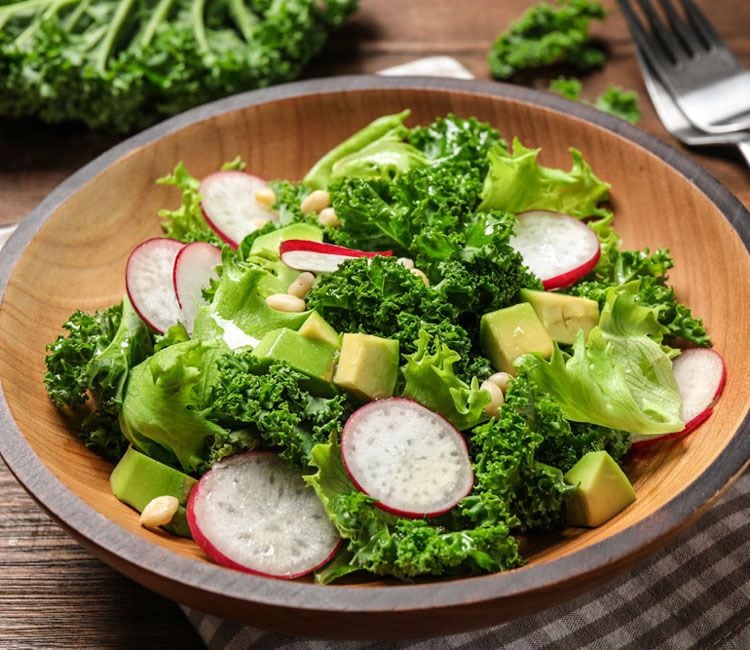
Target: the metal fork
(707, 82)
(678, 125)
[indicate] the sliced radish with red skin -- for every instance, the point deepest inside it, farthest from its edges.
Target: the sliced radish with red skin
(194, 268)
(253, 513)
(148, 281)
(229, 205)
(413, 461)
(555, 247)
(305, 255)
(700, 374)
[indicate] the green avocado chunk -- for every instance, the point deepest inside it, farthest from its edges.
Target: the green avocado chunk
(368, 366)
(506, 334)
(268, 245)
(313, 358)
(561, 315)
(316, 328)
(137, 479)
(603, 490)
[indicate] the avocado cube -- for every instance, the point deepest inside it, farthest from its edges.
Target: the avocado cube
(603, 490)
(137, 479)
(316, 328)
(316, 359)
(561, 315)
(368, 366)
(268, 245)
(506, 334)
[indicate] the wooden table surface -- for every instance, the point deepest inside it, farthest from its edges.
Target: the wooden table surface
(53, 593)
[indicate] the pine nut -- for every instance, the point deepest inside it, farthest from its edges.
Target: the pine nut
(315, 202)
(266, 197)
(259, 223)
(285, 302)
(159, 511)
(301, 285)
(420, 274)
(501, 380)
(327, 217)
(496, 398)
(407, 262)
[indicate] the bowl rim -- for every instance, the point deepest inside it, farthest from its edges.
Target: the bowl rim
(116, 545)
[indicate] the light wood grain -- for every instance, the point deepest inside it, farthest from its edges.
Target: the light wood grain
(36, 157)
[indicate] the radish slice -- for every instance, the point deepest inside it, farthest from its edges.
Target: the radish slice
(306, 255)
(558, 249)
(700, 375)
(229, 205)
(407, 457)
(194, 268)
(253, 513)
(148, 281)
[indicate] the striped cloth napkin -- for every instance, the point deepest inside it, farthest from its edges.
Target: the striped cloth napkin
(694, 594)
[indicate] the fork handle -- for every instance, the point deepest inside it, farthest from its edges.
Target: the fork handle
(744, 147)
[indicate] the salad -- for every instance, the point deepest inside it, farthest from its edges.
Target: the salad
(428, 347)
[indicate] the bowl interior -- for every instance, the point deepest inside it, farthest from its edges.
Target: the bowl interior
(77, 258)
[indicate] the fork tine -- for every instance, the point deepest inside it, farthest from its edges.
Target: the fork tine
(692, 42)
(670, 43)
(701, 24)
(651, 50)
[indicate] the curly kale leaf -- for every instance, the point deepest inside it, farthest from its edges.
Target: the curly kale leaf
(622, 267)
(256, 402)
(520, 458)
(405, 548)
(94, 360)
(546, 35)
(614, 100)
(382, 297)
(620, 103)
(121, 65)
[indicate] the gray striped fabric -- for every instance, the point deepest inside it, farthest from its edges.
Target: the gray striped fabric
(695, 593)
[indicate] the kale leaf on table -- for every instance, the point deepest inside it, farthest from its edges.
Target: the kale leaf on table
(121, 65)
(614, 100)
(548, 34)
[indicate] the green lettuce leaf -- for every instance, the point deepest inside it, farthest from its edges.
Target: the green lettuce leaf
(517, 183)
(620, 376)
(376, 136)
(430, 380)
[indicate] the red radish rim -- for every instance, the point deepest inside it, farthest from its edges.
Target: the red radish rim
(308, 246)
(217, 556)
(127, 287)
(696, 421)
(194, 244)
(218, 231)
(570, 277)
(378, 504)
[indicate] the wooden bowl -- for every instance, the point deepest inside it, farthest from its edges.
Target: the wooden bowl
(70, 253)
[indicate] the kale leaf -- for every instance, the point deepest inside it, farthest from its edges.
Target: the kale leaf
(546, 35)
(614, 100)
(121, 65)
(267, 404)
(622, 267)
(94, 360)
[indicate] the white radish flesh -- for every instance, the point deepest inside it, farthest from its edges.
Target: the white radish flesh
(148, 280)
(558, 249)
(230, 207)
(407, 457)
(194, 268)
(317, 257)
(253, 513)
(700, 376)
